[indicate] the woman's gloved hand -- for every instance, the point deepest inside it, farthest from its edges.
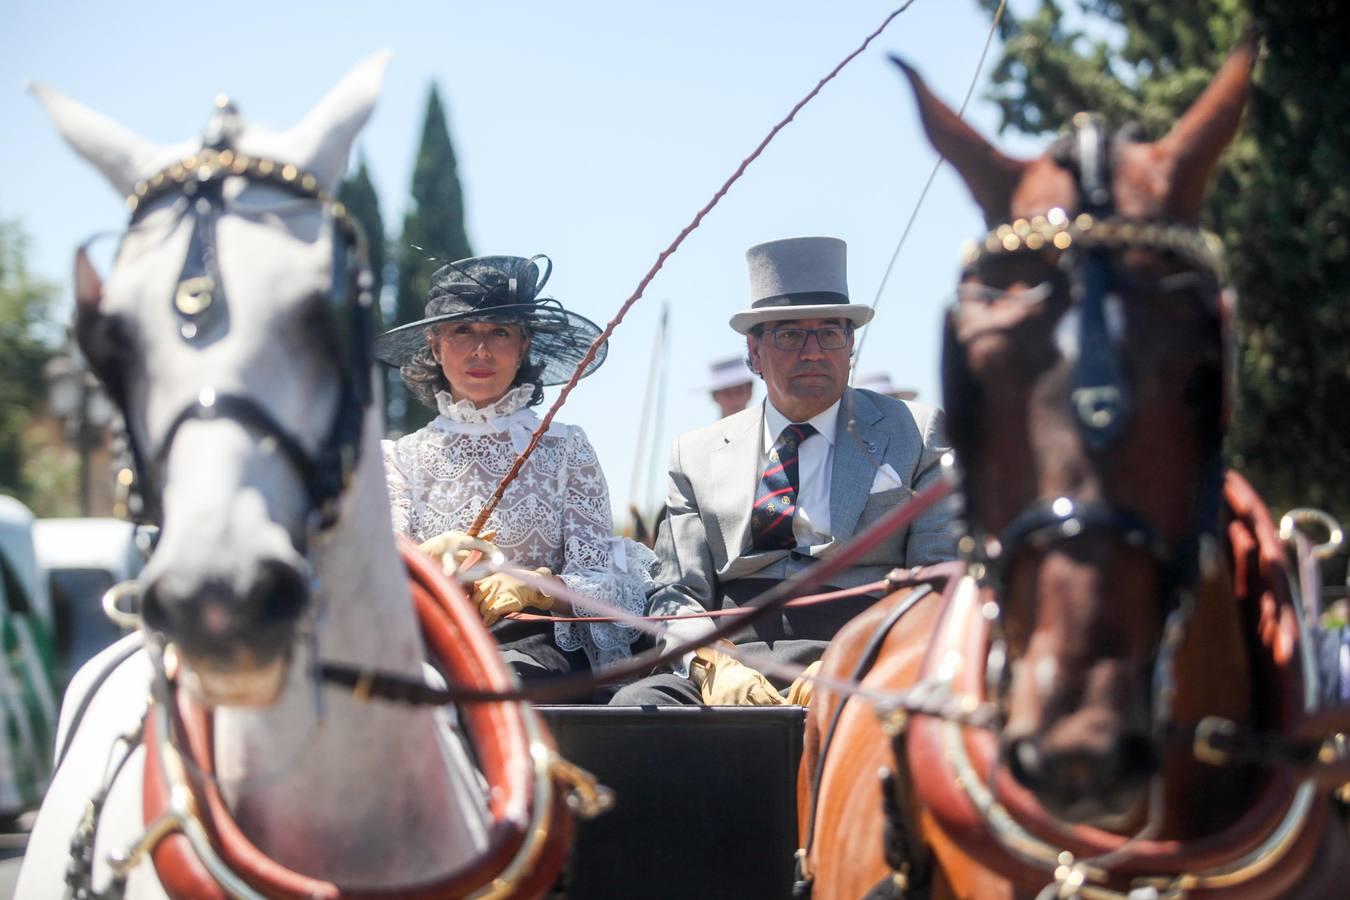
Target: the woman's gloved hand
(725, 681)
(499, 594)
(452, 548)
(802, 689)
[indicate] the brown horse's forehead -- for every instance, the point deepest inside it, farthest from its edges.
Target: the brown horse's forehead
(1140, 185)
(1044, 186)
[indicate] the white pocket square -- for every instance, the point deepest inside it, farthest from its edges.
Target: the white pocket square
(886, 479)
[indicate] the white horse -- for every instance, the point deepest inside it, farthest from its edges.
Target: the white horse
(226, 327)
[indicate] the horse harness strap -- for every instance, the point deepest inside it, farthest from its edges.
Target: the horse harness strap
(1100, 396)
(199, 852)
(1260, 855)
(199, 301)
(871, 653)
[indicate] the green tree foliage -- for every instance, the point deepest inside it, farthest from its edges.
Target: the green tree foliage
(25, 332)
(435, 224)
(357, 193)
(1281, 201)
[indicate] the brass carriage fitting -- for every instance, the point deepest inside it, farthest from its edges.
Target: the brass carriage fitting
(1203, 746)
(894, 722)
(1305, 516)
(586, 796)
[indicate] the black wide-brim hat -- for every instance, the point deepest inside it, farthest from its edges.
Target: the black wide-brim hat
(500, 289)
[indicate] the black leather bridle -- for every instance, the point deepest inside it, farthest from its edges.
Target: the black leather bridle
(1100, 399)
(201, 306)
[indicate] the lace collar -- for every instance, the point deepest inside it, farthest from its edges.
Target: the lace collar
(464, 411)
(508, 415)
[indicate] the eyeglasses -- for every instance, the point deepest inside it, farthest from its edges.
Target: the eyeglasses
(495, 338)
(829, 337)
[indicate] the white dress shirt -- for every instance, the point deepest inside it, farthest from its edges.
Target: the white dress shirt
(815, 461)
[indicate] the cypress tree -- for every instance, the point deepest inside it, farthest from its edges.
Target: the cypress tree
(433, 234)
(357, 193)
(1280, 200)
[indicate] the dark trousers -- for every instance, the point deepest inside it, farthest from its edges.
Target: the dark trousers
(530, 651)
(797, 636)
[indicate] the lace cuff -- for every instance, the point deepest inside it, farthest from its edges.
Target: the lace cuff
(625, 584)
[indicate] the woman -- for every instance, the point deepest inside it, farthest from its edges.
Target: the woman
(481, 357)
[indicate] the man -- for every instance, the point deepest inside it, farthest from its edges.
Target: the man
(765, 493)
(731, 385)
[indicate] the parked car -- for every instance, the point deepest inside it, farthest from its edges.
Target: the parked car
(27, 683)
(83, 558)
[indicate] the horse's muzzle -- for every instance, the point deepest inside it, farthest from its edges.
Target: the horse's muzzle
(1084, 784)
(228, 621)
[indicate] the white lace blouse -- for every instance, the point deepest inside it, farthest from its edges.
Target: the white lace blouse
(555, 513)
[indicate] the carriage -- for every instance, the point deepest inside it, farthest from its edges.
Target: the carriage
(268, 583)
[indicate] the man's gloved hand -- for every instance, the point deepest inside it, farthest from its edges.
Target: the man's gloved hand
(453, 547)
(499, 594)
(724, 681)
(802, 689)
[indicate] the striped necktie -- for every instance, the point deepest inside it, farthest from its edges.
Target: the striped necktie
(776, 499)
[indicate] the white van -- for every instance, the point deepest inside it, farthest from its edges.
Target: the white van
(83, 558)
(27, 693)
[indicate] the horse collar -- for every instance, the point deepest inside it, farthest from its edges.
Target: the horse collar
(199, 852)
(989, 817)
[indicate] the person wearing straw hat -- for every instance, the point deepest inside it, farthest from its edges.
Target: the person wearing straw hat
(481, 356)
(731, 385)
(765, 493)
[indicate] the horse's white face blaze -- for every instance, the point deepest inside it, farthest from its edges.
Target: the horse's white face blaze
(229, 581)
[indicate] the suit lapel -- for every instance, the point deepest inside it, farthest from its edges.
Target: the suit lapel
(736, 470)
(859, 448)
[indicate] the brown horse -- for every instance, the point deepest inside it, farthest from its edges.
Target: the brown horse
(1123, 606)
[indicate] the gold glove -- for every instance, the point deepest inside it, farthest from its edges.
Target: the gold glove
(499, 594)
(802, 689)
(452, 548)
(724, 681)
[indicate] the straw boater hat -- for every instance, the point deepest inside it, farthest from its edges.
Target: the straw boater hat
(500, 289)
(799, 278)
(727, 373)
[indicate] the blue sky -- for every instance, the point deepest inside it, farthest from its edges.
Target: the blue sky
(590, 131)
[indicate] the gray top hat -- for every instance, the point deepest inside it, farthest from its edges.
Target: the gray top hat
(799, 278)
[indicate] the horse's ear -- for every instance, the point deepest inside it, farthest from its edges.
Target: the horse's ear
(989, 174)
(116, 152)
(1199, 137)
(322, 140)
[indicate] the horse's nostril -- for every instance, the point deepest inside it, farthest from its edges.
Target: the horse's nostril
(1137, 758)
(153, 612)
(1025, 762)
(278, 594)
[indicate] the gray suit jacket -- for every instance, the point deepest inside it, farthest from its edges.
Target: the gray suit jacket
(714, 472)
